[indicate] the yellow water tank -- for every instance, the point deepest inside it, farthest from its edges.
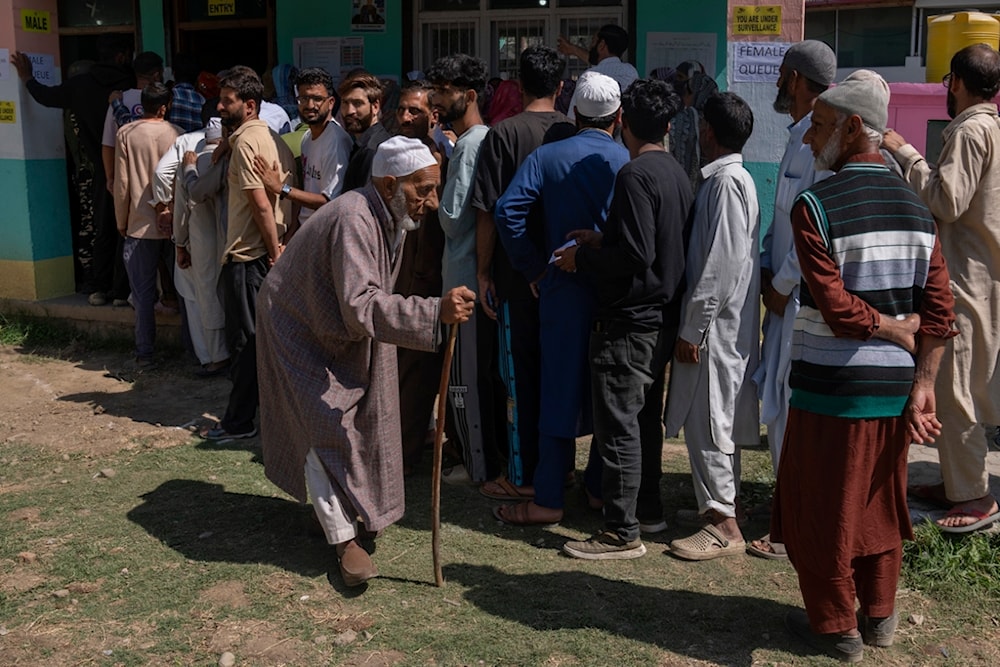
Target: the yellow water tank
(949, 33)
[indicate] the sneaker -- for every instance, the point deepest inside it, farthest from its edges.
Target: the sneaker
(98, 298)
(846, 648)
(119, 303)
(651, 526)
(219, 433)
(878, 632)
(605, 545)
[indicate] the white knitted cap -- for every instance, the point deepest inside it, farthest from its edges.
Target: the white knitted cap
(401, 156)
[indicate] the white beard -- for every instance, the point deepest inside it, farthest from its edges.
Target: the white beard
(831, 151)
(400, 212)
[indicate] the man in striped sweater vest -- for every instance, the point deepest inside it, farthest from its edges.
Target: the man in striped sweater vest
(876, 310)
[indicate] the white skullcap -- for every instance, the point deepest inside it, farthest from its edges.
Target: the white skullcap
(214, 129)
(401, 156)
(597, 95)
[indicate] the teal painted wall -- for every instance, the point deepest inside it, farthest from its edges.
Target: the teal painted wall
(765, 177)
(37, 218)
(682, 16)
(324, 18)
(151, 25)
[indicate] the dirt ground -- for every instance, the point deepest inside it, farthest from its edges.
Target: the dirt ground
(103, 401)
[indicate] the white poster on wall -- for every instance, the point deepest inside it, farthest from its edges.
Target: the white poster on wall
(43, 66)
(756, 62)
(337, 55)
(669, 49)
(5, 65)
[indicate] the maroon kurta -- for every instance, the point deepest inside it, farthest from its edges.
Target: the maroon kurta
(327, 327)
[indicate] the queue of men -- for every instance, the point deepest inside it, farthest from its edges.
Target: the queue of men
(577, 263)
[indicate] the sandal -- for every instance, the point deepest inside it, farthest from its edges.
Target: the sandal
(692, 519)
(706, 544)
(983, 519)
(765, 548)
(520, 515)
(503, 489)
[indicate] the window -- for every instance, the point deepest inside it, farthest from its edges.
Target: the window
(489, 30)
(864, 37)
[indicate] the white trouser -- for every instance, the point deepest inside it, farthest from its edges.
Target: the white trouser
(333, 509)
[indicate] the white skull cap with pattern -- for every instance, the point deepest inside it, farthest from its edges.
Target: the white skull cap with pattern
(401, 156)
(597, 95)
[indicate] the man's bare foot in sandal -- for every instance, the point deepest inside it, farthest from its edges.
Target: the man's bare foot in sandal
(527, 514)
(765, 548)
(970, 515)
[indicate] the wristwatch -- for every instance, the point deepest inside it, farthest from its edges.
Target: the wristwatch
(286, 190)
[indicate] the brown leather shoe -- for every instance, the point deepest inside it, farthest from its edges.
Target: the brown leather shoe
(356, 566)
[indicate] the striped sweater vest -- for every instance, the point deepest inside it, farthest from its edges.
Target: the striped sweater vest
(881, 237)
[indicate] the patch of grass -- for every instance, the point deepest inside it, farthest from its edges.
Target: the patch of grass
(187, 552)
(52, 337)
(963, 568)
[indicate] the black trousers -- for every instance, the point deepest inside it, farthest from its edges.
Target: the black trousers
(241, 282)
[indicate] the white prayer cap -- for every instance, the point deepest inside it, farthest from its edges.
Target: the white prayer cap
(597, 95)
(213, 130)
(401, 156)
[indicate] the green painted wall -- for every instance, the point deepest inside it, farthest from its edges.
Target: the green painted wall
(151, 25)
(326, 18)
(37, 218)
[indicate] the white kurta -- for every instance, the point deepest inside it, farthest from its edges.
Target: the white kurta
(795, 173)
(721, 309)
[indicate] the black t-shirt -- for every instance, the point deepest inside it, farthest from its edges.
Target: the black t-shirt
(359, 166)
(639, 268)
(505, 147)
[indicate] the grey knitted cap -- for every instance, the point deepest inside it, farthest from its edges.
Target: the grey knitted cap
(863, 93)
(812, 59)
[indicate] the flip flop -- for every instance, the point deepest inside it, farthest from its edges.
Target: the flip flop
(503, 489)
(984, 520)
(517, 515)
(768, 549)
(930, 493)
(706, 544)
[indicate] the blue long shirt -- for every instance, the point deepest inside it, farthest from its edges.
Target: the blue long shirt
(573, 180)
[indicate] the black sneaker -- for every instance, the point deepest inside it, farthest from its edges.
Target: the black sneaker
(878, 632)
(605, 545)
(846, 648)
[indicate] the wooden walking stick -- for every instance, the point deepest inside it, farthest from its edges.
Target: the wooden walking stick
(449, 352)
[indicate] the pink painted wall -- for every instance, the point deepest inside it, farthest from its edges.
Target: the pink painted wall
(911, 105)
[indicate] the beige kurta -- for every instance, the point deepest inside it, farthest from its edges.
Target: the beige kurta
(963, 193)
(327, 327)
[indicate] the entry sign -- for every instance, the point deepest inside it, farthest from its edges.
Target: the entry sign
(222, 7)
(757, 20)
(34, 20)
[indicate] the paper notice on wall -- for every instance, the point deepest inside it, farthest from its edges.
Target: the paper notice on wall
(756, 62)
(757, 20)
(669, 49)
(5, 74)
(337, 55)
(8, 112)
(43, 67)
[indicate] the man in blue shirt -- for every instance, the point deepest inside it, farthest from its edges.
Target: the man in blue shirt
(572, 180)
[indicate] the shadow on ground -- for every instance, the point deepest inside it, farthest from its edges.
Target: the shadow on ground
(729, 627)
(203, 522)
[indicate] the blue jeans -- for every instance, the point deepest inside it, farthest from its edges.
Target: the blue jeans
(142, 258)
(627, 369)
